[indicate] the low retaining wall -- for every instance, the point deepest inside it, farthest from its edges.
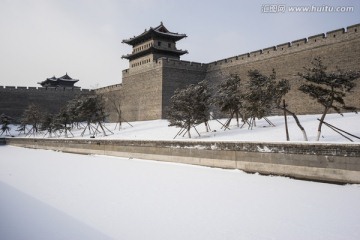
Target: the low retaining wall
(339, 163)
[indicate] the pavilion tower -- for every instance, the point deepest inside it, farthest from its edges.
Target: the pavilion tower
(153, 44)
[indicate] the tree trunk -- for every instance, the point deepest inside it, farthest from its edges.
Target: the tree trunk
(119, 118)
(237, 118)
(231, 117)
(102, 128)
(296, 120)
(188, 130)
(119, 121)
(321, 123)
(66, 131)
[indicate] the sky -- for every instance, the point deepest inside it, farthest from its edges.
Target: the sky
(43, 38)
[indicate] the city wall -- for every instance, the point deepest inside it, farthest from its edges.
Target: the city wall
(147, 89)
(142, 91)
(338, 163)
(14, 100)
(339, 48)
(176, 75)
(114, 98)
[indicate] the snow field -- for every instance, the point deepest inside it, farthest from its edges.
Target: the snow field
(159, 130)
(54, 195)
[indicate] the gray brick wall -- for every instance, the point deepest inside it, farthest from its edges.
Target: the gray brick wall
(146, 90)
(14, 100)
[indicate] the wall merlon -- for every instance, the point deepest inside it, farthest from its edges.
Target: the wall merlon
(269, 49)
(232, 59)
(255, 53)
(110, 88)
(183, 64)
(353, 28)
(10, 87)
(197, 64)
(86, 90)
(335, 32)
(244, 56)
(316, 38)
(283, 46)
(299, 42)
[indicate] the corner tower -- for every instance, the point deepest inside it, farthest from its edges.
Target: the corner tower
(153, 44)
(155, 72)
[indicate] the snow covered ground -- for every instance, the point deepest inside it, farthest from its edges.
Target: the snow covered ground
(54, 195)
(159, 130)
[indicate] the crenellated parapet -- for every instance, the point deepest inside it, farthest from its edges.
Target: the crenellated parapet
(180, 64)
(52, 89)
(318, 40)
(115, 87)
(15, 99)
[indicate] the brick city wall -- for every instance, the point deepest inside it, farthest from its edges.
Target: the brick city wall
(146, 89)
(178, 74)
(144, 84)
(339, 48)
(142, 91)
(14, 100)
(113, 97)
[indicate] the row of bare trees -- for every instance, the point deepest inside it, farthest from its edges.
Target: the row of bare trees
(83, 112)
(259, 96)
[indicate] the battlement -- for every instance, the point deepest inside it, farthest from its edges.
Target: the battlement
(21, 88)
(170, 62)
(15, 99)
(110, 88)
(338, 35)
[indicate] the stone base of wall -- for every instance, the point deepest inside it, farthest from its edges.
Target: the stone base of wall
(337, 163)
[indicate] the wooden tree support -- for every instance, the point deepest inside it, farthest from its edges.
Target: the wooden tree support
(340, 131)
(120, 123)
(269, 122)
(7, 132)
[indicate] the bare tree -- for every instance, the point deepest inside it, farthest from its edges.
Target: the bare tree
(114, 105)
(328, 88)
(229, 98)
(189, 107)
(32, 116)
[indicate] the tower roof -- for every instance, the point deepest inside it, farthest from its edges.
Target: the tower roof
(66, 77)
(64, 81)
(160, 32)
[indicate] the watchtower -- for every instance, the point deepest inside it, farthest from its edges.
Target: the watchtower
(153, 44)
(64, 81)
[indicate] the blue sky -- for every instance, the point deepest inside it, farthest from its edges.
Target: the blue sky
(42, 38)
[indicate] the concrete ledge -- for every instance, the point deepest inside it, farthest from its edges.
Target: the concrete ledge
(339, 163)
